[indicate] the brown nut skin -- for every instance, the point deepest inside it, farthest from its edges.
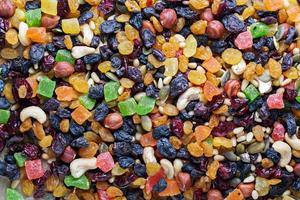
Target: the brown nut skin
(113, 121)
(207, 15)
(63, 69)
(232, 87)
(214, 194)
(246, 189)
(297, 169)
(7, 8)
(49, 21)
(215, 29)
(184, 181)
(168, 18)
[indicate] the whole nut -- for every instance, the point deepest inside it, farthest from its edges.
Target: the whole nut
(113, 121)
(7, 8)
(63, 69)
(214, 194)
(168, 18)
(49, 21)
(215, 29)
(232, 87)
(207, 15)
(297, 169)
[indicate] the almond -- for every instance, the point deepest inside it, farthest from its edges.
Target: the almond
(63, 69)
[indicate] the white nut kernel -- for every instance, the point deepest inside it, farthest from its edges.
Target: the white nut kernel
(293, 141)
(34, 112)
(87, 34)
(285, 152)
(79, 166)
(80, 51)
(23, 27)
(168, 168)
(189, 95)
(148, 155)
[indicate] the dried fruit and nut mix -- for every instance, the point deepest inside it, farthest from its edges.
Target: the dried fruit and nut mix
(150, 99)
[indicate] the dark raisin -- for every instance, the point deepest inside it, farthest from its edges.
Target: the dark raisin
(85, 17)
(165, 148)
(273, 155)
(96, 91)
(51, 104)
(59, 144)
(62, 8)
(126, 162)
(121, 136)
(47, 63)
(106, 7)
(290, 122)
(4, 103)
(63, 113)
(249, 56)
(292, 34)
(76, 130)
(95, 42)
(134, 74)
(116, 61)
(31, 5)
(177, 127)
(178, 86)
(31, 151)
(186, 12)
(161, 131)
(136, 20)
(233, 24)
(227, 170)
(159, 55)
(148, 38)
(219, 46)
(136, 150)
(122, 148)
(139, 169)
(160, 186)
(101, 111)
(287, 62)
(152, 91)
(92, 58)
(110, 26)
(80, 142)
(105, 52)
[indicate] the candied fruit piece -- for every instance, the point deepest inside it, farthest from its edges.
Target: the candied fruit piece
(105, 162)
(111, 91)
(251, 92)
(34, 169)
(259, 29)
(34, 17)
(70, 26)
(203, 53)
(145, 105)
(12, 194)
(37, 34)
(275, 101)
(46, 87)
(80, 115)
(210, 90)
(171, 190)
(235, 195)
(80, 85)
(232, 56)
(243, 40)
(147, 140)
(4, 116)
(212, 65)
(49, 7)
(65, 93)
(82, 182)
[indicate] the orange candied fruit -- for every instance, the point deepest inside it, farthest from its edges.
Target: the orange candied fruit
(273, 5)
(147, 140)
(80, 115)
(202, 132)
(210, 90)
(65, 93)
(171, 190)
(37, 34)
(235, 195)
(212, 65)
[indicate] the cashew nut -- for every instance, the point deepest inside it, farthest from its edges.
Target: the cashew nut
(87, 34)
(168, 168)
(79, 166)
(148, 155)
(189, 95)
(285, 152)
(34, 112)
(24, 40)
(80, 51)
(177, 163)
(293, 141)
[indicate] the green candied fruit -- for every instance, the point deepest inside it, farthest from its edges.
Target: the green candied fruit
(4, 116)
(34, 17)
(127, 107)
(145, 106)
(251, 92)
(259, 29)
(46, 87)
(12, 194)
(298, 96)
(87, 102)
(63, 55)
(111, 91)
(82, 182)
(20, 159)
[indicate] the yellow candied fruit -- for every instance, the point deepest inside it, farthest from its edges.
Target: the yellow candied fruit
(199, 4)
(11, 36)
(274, 68)
(199, 27)
(104, 66)
(203, 53)
(195, 149)
(49, 7)
(131, 33)
(125, 47)
(70, 26)
(212, 170)
(212, 78)
(222, 142)
(291, 73)
(152, 168)
(132, 6)
(126, 83)
(73, 5)
(232, 56)
(196, 77)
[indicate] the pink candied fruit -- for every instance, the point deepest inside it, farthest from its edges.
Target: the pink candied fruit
(34, 169)
(102, 195)
(275, 101)
(105, 162)
(244, 40)
(278, 132)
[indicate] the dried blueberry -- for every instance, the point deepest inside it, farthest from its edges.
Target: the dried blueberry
(110, 26)
(161, 131)
(148, 38)
(178, 85)
(101, 111)
(165, 148)
(96, 91)
(126, 162)
(75, 129)
(80, 142)
(233, 24)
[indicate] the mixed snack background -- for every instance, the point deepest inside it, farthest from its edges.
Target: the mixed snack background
(150, 99)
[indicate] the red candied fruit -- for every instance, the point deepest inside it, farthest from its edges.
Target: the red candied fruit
(244, 40)
(105, 162)
(278, 132)
(34, 169)
(275, 101)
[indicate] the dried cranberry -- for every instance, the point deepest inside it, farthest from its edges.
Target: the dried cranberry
(223, 129)
(290, 94)
(62, 8)
(227, 170)
(31, 151)
(177, 127)
(17, 84)
(106, 7)
(47, 63)
(97, 175)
